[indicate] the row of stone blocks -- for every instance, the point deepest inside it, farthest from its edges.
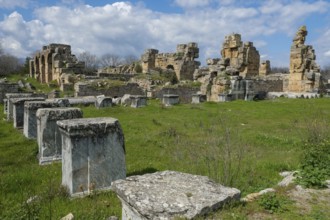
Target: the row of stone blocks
(93, 158)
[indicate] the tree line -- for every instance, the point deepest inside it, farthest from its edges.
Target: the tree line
(93, 62)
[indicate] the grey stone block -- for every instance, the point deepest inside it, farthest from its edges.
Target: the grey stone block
(49, 136)
(93, 154)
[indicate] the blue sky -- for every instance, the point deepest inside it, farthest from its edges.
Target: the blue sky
(130, 27)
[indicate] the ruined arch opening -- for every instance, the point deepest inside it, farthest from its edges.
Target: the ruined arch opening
(170, 67)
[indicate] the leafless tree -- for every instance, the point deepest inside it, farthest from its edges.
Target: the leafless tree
(276, 69)
(109, 59)
(8, 63)
(91, 60)
(325, 72)
(129, 59)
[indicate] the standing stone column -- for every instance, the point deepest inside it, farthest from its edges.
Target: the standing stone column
(49, 136)
(93, 153)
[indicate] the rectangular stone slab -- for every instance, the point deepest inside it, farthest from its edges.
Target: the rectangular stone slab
(30, 118)
(138, 101)
(170, 195)
(170, 99)
(49, 136)
(18, 109)
(93, 154)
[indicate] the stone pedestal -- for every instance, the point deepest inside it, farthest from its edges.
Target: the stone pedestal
(49, 136)
(10, 106)
(170, 99)
(138, 101)
(225, 97)
(171, 195)
(18, 109)
(103, 102)
(30, 119)
(198, 98)
(93, 154)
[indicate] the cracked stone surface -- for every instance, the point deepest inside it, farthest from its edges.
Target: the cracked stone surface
(170, 194)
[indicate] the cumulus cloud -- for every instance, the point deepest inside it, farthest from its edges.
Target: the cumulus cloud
(13, 3)
(192, 3)
(124, 28)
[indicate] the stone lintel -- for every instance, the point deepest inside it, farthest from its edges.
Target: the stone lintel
(170, 195)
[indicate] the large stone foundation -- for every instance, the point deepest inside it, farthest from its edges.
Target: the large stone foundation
(171, 195)
(93, 154)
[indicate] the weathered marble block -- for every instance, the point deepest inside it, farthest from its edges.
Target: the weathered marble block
(49, 136)
(87, 100)
(10, 106)
(138, 101)
(225, 97)
(93, 154)
(18, 109)
(103, 102)
(30, 119)
(170, 195)
(170, 99)
(198, 98)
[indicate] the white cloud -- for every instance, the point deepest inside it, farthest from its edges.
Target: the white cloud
(327, 53)
(192, 3)
(124, 28)
(13, 3)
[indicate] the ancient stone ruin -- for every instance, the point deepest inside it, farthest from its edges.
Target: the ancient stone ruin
(229, 78)
(53, 61)
(242, 57)
(171, 195)
(264, 68)
(304, 72)
(182, 62)
(93, 154)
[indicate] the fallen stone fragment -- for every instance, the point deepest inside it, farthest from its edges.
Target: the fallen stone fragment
(171, 194)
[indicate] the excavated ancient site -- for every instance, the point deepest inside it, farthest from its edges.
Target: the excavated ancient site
(92, 150)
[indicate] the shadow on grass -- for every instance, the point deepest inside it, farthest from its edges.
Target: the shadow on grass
(144, 171)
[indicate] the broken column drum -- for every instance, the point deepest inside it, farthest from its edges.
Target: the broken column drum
(49, 136)
(93, 154)
(103, 102)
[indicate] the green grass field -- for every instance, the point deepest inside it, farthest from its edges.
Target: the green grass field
(239, 144)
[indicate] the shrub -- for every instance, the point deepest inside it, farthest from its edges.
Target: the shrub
(315, 164)
(272, 203)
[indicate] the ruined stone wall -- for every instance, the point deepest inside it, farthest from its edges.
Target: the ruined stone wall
(264, 68)
(85, 89)
(185, 93)
(304, 72)
(182, 61)
(243, 57)
(53, 61)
